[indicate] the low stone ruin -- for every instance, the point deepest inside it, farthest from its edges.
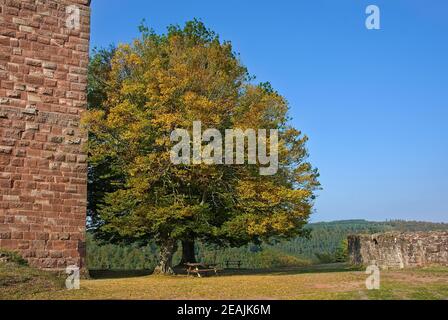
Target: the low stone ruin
(398, 250)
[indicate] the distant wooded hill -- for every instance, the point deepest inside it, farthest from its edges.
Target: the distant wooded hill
(325, 244)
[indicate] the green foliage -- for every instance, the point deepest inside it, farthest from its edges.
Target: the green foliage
(138, 94)
(119, 256)
(340, 255)
(251, 256)
(326, 237)
(13, 257)
(270, 258)
(325, 257)
(103, 176)
(326, 244)
(133, 257)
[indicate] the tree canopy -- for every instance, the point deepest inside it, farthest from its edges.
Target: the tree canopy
(139, 93)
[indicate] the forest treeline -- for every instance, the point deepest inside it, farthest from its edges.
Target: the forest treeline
(324, 244)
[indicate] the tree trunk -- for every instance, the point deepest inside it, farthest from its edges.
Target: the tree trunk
(187, 252)
(167, 249)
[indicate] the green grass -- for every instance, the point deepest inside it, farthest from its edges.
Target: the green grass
(18, 281)
(326, 282)
(416, 284)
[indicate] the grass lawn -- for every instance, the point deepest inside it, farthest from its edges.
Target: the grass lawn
(316, 282)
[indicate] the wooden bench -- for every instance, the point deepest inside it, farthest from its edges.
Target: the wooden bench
(236, 263)
(201, 269)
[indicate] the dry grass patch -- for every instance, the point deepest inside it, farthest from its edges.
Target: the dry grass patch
(317, 282)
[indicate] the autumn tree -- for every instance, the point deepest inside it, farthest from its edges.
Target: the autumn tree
(102, 176)
(160, 83)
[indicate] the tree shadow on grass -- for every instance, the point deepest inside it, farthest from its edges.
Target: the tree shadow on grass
(323, 268)
(117, 274)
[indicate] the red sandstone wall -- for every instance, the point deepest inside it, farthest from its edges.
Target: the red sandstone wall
(43, 77)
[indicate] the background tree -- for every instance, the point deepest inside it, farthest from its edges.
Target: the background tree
(342, 251)
(101, 174)
(163, 82)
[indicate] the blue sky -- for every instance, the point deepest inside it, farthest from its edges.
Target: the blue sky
(374, 103)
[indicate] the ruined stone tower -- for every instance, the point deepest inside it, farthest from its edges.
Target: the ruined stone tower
(44, 48)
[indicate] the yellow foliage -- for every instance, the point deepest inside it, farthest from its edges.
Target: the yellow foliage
(159, 83)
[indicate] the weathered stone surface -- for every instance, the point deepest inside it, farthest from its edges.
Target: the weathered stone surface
(398, 250)
(42, 187)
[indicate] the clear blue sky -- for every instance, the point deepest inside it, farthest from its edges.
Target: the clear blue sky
(373, 103)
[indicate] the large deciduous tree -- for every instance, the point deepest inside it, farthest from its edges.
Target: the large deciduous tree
(159, 83)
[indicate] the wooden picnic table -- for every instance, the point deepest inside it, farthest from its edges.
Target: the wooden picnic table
(202, 268)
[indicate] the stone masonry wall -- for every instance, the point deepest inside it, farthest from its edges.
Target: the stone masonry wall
(43, 78)
(400, 250)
